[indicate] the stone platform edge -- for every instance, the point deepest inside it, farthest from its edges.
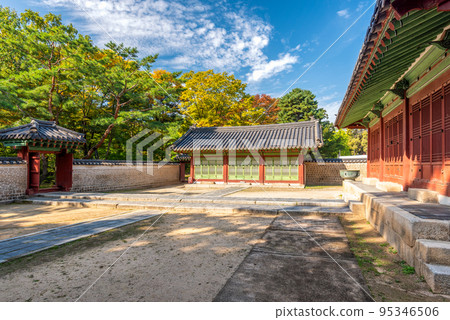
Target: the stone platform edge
(401, 229)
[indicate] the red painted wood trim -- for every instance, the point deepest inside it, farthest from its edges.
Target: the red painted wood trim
(192, 173)
(382, 149)
(301, 169)
(225, 168)
(261, 169)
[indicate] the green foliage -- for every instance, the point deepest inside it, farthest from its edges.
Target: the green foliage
(299, 105)
(217, 99)
(357, 141)
(335, 141)
(51, 72)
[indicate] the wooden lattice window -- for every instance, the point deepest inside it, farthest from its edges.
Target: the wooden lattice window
(447, 120)
(436, 127)
(209, 168)
(426, 129)
(416, 132)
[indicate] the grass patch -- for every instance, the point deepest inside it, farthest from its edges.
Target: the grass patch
(406, 268)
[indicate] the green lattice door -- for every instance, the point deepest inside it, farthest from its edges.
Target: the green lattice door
(209, 169)
(243, 169)
(278, 170)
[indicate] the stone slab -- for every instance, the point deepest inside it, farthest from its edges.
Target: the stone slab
(286, 265)
(434, 252)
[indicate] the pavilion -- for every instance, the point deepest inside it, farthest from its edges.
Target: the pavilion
(40, 137)
(400, 92)
(252, 154)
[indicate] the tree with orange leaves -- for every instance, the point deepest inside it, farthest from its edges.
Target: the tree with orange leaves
(269, 107)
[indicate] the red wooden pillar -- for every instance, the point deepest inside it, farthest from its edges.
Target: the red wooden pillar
(406, 157)
(192, 173)
(443, 151)
(382, 149)
(301, 169)
(369, 150)
(262, 172)
(64, 169)
(225, 168)
(34, 164)
(182, 171)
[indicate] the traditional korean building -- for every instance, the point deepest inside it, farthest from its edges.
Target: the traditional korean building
(38, 137)
(252, 154)
(400, 92)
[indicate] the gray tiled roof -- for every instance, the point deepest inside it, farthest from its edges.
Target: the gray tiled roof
(182, 157)
(304, 134)
(41, 130)
(95, 162)
(11, 160)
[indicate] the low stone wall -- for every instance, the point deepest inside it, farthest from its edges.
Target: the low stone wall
(97, 175)
(13, 178)
(326, 173)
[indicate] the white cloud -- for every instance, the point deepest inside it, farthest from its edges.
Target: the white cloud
(267, 69)
(186, 34)
(343, 13)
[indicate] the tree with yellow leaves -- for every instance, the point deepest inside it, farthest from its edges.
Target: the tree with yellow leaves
(217, 99)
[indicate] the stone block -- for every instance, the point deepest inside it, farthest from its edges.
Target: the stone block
(437, 277)
(432, 251)
(423, 195)
(357, 208)
(444, 200)
(389, 186)
(370, 181)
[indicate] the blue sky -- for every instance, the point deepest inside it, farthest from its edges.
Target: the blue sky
(266, 43)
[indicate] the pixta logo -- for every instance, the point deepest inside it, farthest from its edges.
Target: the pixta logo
(146, 144)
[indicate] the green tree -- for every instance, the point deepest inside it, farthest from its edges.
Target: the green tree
(335, 141)
(299, 105)
(357, 141)
(49, 71)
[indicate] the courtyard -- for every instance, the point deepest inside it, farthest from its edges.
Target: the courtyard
(209, 255)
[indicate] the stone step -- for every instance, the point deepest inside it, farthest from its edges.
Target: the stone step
(438, 277)
(196, 199)
(433, 251)
(357, 207)
(191, 207)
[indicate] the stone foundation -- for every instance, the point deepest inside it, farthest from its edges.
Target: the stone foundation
(327, 173)
(418, 241)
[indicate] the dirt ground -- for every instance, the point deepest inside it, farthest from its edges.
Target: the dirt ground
(183, 257)
(20, 219)
(388, 277)
(294, 193)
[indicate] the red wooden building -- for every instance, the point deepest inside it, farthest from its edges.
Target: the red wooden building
(38, 137)
(252, 154)
(400, 92)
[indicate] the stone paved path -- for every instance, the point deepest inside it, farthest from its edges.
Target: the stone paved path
(28, 244)
(288, 265)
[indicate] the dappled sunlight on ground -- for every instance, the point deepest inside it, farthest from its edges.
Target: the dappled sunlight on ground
(20, 219)
(183, 257)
